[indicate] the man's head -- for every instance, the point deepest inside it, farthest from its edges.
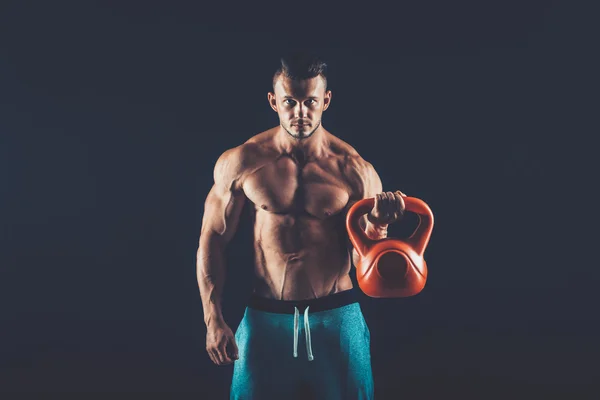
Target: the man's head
(300, 94)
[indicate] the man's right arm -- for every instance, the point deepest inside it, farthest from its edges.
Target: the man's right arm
(222, 210)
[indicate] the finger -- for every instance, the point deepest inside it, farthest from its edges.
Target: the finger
(228, 357)
(391, 206)
(381, 208)
(383, 203)
(377, 202)
(236, 352)
(400, 193)
(216, 356)
(400, 205)
(232, 349)
(392, 198)
(224, 356)
(220, 357)
(212, 356)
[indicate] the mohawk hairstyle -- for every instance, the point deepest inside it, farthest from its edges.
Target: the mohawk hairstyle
(300, 66)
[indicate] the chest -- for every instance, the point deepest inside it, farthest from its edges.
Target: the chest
(284, 186)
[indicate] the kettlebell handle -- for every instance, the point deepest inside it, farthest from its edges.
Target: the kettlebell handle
(418, 240)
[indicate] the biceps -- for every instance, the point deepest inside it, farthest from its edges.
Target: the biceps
(374, 186)
(222, 211)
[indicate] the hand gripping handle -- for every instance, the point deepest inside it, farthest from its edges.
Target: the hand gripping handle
(418, 240)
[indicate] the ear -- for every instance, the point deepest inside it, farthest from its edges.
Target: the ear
(272, 101)
(327, 100)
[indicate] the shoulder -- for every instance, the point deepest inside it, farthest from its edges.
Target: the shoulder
(349, 158)
(362, 176)
(360, 173)
(236, 162)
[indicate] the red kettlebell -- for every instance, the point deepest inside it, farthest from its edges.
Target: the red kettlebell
(391, 267)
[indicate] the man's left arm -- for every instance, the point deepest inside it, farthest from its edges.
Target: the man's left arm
(388, 208)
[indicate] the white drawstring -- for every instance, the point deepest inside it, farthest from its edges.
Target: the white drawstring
(306, 331)
(295, 332)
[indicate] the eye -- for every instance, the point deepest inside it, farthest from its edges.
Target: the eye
(289, 101)
(312, 101)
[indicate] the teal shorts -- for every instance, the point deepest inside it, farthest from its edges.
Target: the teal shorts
(317, 348)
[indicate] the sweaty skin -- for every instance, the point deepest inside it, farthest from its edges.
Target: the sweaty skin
(300, 181)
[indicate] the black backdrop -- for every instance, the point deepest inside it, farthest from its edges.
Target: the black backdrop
(113, 115)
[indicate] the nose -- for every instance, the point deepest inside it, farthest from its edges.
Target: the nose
(301, 111)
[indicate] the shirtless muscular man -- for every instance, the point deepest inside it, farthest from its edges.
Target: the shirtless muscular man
(303, 327)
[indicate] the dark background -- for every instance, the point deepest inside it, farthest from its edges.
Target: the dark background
(112, 116)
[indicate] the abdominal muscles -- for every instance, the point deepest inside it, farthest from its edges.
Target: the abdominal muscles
(300, 257)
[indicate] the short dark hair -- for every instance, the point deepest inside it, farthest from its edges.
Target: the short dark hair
(299, 66)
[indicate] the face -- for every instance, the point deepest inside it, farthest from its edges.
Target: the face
(300, 104)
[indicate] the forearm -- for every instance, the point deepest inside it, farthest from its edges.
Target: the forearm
(373, 231)
(210, 270)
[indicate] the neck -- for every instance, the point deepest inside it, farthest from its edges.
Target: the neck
(309, 147)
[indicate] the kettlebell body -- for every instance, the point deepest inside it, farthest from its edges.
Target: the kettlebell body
(391, 267)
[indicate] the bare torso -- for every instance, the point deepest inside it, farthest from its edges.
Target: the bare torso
(299, 209)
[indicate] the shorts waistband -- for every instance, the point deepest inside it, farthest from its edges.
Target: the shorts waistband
(324, 303)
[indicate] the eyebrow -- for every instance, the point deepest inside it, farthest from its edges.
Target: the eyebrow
(309, 97)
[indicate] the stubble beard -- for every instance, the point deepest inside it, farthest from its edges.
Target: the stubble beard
(301, 137)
